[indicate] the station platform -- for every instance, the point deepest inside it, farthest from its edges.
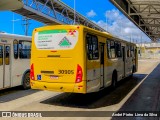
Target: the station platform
(145, 98)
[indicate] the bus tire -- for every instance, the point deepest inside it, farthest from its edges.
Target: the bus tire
(26, 81)
(133, 70)
(114, 80)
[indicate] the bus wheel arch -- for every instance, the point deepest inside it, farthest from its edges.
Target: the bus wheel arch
(26, 80)
(114, 79)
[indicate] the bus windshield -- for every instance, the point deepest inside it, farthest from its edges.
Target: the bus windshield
(56, 39)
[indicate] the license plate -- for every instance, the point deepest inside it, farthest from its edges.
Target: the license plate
(53, 77)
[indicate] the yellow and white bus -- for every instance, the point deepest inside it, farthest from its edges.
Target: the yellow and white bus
(14, 60)
(72, 58)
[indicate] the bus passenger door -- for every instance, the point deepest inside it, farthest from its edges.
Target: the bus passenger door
(124, 60)
(102, 65)
(1, 66)
(7, 79)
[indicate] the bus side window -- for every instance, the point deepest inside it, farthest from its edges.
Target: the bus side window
(7, 55)
(24, 49)
(89, 47)
(118, 49)
(15, 47)
(1, 55)
(108, 49)
(112, 49)
(132, 51)
(92, 47)
(128, 51)
(95, 47)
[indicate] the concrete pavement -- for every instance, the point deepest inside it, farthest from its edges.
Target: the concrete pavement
(145, 98)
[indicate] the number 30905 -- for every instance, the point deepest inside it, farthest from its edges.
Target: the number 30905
(65, 72)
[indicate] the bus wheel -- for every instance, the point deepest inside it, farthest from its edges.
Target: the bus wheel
(26, 81)
(133, 70)
(114, 79)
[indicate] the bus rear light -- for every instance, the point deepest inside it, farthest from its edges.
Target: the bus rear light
(32, 72)
(79, 74)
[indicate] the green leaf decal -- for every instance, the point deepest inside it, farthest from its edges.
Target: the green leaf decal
(64, 42)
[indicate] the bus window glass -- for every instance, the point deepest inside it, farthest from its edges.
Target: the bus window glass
(15, 47)
(1, 55)
(108, 49)
(95, 47)
(7, 55)
(92, 47)
(60, 39)
(132, 51)
(128, 51)
(112, 49)
(89, 47)
(24, 49)
(118, 49)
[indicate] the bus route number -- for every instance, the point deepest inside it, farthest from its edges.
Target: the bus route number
(66, 72)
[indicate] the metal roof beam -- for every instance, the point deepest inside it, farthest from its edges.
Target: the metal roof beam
(157, 18)
(157, 35)
(157, 3)
(151, 25)
(137, 10)
(51, 12)
(145, 13)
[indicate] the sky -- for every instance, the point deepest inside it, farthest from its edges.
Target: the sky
(102, 12)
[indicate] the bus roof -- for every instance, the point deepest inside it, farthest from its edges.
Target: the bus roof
(109, 36)
(105, 34)
(75, 26)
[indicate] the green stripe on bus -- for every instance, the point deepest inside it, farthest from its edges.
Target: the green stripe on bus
(52, 31)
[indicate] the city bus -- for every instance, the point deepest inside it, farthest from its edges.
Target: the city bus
(78, 59)
(15, 53)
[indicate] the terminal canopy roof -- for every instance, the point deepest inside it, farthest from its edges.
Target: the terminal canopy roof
(10, 4)
(143, 13)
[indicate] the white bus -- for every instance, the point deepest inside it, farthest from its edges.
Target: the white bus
(14, 60)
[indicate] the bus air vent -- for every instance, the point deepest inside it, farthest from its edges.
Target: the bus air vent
(49, 72)
(53, 56)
